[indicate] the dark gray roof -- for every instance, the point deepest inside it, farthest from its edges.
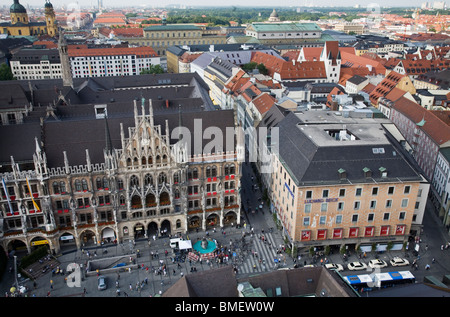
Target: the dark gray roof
(34, 56)
(313, 157)
(12, 95)
(219, 282)
(273, 116)
(75, 127)
(77, 135)
(357, 79)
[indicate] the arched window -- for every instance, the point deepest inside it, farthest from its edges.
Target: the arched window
(195, 173)
(122, 200)
(56, 188)
(78, 185)
(84, 184)
(62, 186)
(148, 180)
(134, 181)
(208, 171)
(214, 171)
(120, 184)
(105, 182)
(162, 178)
(176, 177)
(98, 183)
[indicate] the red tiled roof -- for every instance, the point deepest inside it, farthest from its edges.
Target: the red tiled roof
(354, 61)
(290, 70)
(264, 102)
(47, 44)
(435, 128)
(385, 86)
(368, 88)
(142, 51)
(109, 21)
(129, 32)
(395, 94)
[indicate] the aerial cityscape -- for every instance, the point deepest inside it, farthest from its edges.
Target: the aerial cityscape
(224, 151)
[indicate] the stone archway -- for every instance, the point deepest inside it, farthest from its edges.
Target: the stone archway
(230, 218)
(67, 241)
(166, 228)
(139, 230)
(16, 246)
(213, 220)
(88, 238)
(152, 230)
(194, 223)
(38, 242)
(108, 235)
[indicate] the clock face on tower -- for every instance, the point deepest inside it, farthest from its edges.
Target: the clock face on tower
(145, 141)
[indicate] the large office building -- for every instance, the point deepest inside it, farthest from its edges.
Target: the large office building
(161, 37)
(36, 64)
(340, 182)
(102, 159)
(111, 61)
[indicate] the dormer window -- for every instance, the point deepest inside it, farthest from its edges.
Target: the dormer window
(367, 172)
(383, 172)
(100, 111)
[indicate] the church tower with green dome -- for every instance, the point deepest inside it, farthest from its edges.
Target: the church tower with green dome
(18, 13)
(21, 26)
(50, 19)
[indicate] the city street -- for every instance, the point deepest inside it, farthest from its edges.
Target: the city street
(254, 247)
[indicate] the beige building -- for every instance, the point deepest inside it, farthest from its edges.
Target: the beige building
(354, 28)
(340, 182)
(160, 37)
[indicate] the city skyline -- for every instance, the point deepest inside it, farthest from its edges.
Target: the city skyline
(254, 3)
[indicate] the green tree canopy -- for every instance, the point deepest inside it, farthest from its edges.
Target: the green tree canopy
(153, 69)
(5, 72)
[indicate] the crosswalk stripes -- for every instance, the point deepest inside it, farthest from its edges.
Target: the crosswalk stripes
(265, 251)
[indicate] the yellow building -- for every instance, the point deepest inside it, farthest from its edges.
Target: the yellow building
(338, 182)
(21, 26)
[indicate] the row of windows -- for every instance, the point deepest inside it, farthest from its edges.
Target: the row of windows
(354, 218)
(357, 205)
(177, 35)
(359, 191)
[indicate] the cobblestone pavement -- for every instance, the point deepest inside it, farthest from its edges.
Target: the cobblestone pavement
(257, 252)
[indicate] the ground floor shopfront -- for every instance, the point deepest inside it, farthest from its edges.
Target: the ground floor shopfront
(101, 234)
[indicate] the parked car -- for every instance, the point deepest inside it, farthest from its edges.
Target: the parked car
(334, 266)
(356, 266)
(101, 282)
(377, 264)
(399, 261)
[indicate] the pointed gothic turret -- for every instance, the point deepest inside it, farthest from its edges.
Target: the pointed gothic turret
(65, 62)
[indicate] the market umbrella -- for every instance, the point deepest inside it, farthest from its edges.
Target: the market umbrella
(12, 289)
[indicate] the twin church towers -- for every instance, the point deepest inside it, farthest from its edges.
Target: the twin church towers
(21, 26)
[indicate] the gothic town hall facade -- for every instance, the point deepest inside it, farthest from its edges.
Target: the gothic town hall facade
(100, 160)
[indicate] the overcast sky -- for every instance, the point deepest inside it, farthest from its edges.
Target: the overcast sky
(254, 3)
